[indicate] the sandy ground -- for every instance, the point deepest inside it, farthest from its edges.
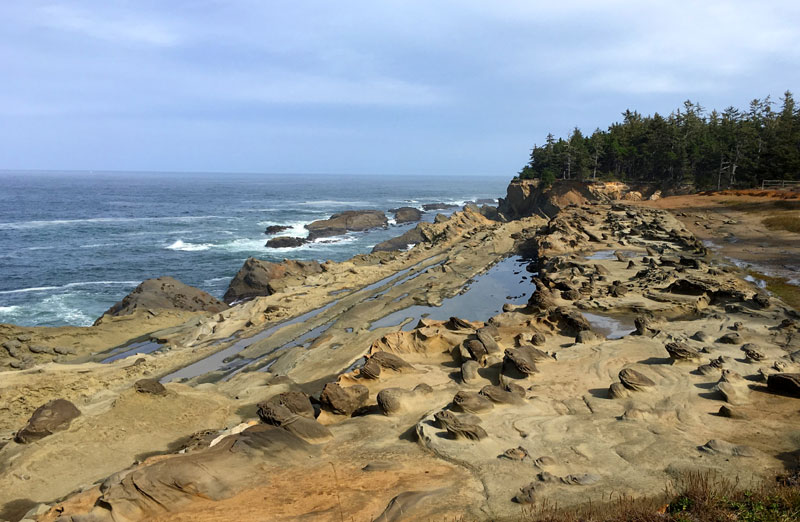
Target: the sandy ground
(575, 439)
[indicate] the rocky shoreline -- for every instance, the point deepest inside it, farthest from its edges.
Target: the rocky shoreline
(467, 417)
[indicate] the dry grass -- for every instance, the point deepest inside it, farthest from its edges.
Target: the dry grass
(697, 497)
(787, 221)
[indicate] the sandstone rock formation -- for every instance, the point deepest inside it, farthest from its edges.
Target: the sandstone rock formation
(165, 293)
(257, 278)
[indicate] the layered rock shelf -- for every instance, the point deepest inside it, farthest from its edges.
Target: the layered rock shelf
(464, 418)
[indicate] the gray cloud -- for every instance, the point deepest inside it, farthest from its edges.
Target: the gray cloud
(391, 86)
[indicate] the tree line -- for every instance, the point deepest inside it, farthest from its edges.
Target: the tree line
(729, 149)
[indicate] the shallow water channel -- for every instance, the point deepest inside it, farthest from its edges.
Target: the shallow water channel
(505, 282)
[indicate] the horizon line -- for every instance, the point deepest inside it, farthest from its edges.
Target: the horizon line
(248, 173)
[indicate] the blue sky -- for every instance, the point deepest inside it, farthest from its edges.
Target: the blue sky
(387, 86)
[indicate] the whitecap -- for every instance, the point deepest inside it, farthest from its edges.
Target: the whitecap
(68, 285)
(188, 247)
(392, 221)
(296, 228)
(14, 225)
(332, 203)
(8, 309)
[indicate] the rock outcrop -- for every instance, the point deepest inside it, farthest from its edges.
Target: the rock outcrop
(407, 215)
(54, 416)
(347, 221)
(529, 197)
(165, 293)
(258, 278)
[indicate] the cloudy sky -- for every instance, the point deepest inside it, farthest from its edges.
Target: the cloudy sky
(377, 86)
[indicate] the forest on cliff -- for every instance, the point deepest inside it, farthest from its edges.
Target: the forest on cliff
(729, 149)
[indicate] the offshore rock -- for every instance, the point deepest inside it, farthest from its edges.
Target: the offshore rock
(347, 221)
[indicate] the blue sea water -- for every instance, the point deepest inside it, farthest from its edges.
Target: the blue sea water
(74, 243)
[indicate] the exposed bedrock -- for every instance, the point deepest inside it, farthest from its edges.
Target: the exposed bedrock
(347, 221)
(531, 198)
(165, 293)
(406, 214)
(258, 278)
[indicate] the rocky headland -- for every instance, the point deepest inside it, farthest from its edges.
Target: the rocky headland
(637, 355)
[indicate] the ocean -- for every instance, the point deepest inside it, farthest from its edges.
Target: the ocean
(74, 243)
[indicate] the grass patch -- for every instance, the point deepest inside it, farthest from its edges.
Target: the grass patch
(787, 292)
(760, 206)
(698, 497)
(789, 222)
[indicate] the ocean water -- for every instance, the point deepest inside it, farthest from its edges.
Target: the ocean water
(72, 244)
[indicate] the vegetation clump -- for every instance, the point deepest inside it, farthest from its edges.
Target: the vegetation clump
(690, 146)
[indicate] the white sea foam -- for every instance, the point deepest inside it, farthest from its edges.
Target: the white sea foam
(68, 285)
(8, 309)
(188, 247)
(332, 203)
(392, 221)
(56, 222)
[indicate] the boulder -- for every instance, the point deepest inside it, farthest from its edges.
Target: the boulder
(531, 197)
(343, 401)
(53, 416)
(407, 215)
(469, 372)
(347, 221)
(472, 402)
(296, 402)
(149, 386)
(634, 380)
(785, 383)
(166, 293)
(260, 278)
(286, 242)
(679, 351)
(459, 428)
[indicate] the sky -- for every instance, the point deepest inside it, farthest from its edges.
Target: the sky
(457, 87)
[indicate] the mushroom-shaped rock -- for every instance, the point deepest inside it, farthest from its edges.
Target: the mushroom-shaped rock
(472, 402)
(390, 361)
(527, 494)
(499, 395)
(785, 383)
(475, 349)
(459, 428)
(518, 453)
(679, 351)
(53, 416)
(731, 376)
(296, 402)
(485, 336)
(343, 401)
(538, 339)
(634, 380)
(731, 338)
(393, 401)
(618, 391)
(277, 414)
(754, 355)
(588, 336)
(524, 358)
(371, 369)
(733, 394)
(469, 372)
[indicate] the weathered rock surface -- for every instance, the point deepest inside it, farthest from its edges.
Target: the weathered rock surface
(407, 215)
(49, 418)
(286, 242)
(261, 278)
(165, 293)
(344, 400)
(347, 221)
(785, 383)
